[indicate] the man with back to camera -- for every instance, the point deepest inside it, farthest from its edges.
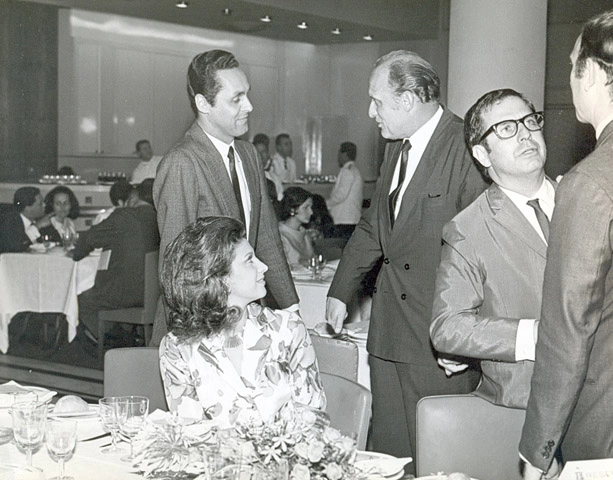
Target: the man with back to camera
(148, 164)
(283, 165)
(210, 172)
(489, 283)
(571, 398)
(426, 178)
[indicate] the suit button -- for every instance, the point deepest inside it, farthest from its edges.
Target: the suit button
(386, 261)
(403, 296)
(374, 290)
(406, 266)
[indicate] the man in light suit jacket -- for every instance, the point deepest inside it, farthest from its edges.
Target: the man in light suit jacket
(439, 179)
(211, 173)
(571, 398)
(489, 283)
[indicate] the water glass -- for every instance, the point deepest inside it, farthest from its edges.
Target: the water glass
(29, 426)
(133, 412)
(47, 241)
(109, 410)
(61, 441)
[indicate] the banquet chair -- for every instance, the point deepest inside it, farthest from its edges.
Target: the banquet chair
(348, 406)
(136, 315)
(465, 433)
(335, 356)
(134, 371)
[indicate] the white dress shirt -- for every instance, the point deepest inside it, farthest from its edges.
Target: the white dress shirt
(145, 170)
(30, 228)
(284, 168)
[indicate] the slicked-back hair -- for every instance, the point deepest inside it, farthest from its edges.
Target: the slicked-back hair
(408, 72)
(25, 197)
(120, 190)
(74, 203)
(597, 44)
(202, 75)
(193, 277)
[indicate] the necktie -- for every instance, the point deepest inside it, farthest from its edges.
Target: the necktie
(393, 197)
(541, 217)
(235, 185)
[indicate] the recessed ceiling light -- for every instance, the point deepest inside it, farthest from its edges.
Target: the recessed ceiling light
(182, 4)
(227, 12)
(336, 31)
(367, 37)
(302, 26)
(266, 19)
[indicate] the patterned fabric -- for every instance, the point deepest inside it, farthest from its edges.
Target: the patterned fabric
(278, 365)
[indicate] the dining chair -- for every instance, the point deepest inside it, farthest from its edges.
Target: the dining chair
(465, 433)
(136, 315)
(348, 406)
(335, 356)
(134, 371)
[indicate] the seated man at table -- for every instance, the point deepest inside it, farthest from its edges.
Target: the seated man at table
(119, 193)
(487, 301)
(21, 222)
(128, 233)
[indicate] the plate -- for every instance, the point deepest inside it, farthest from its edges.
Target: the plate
(38, 248)
(380, 465)
(437, 477)
(8, 390)
(91, 413)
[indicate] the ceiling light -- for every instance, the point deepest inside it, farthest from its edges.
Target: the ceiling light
(302, 26)
(367, 37)
(181, 4)
(336, 31)
(266, 19)
(227, 12)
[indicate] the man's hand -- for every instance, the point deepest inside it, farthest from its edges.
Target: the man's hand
(336, 312)
(44, 221)
(532, 473)
(451, 366)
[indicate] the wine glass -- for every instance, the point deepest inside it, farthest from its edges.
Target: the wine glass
(67, 240)
(47, 241)
(29, 426)
(109, 414)
(61, 441)
(316, 265)
(133, 412)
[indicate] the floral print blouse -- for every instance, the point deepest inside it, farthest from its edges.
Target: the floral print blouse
(278, 365)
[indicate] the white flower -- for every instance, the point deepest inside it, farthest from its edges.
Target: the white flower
(300, 472)
(334, 471)
(316, 450)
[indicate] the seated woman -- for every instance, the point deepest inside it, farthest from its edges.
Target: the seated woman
(226, 358)
(296, 212)
(63, 203)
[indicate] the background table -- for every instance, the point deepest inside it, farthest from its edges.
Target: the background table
(43, 282)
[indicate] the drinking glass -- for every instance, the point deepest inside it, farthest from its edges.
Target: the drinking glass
(133, 412)
(29, 426)
(61, 440)
(316, 265)
(47, 241)
(109, 410)
(67, 240)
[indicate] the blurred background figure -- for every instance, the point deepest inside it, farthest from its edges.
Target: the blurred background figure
(62, 203)
(119, 194)
(273, 184)
(283, 165)
(148, 165)
(296, 212)
(68, 171)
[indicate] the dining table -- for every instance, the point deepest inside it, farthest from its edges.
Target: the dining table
(44, 280)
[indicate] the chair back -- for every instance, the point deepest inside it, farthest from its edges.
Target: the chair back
(465, 433)
(134, 371)
(152, 286)
(348, 406)
(338, 357)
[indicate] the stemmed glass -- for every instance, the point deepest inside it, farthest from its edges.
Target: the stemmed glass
(61, 441)
(29, 426)
(109, 414)
(316, 265)
(133, 412)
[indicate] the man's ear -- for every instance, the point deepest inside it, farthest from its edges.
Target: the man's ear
(407, 100)
(201, 103)
(482, 156)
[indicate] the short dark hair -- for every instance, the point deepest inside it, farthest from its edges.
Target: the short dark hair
(293, 197)
(597, 43)
(261, 138)
(25, 197)
(280, 137)
(193, 277)
(140, 142)
(350, 149)
(74, 203)
(202, 75)
(65, 170)
(120, 190)
(409, 72)
(144, 190)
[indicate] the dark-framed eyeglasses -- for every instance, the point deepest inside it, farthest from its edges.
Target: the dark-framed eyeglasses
(508, 128)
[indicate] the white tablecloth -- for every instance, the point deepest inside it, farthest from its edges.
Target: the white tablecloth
(43, 282)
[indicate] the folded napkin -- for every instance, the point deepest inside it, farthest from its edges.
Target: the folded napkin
(9, 393)
(384, 466)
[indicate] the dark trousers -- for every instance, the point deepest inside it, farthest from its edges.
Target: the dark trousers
(396, 389)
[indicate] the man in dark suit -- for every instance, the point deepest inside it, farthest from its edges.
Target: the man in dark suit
(20, 222)
(436, 179)
(210, 172)
(571, 398)
(489, 283)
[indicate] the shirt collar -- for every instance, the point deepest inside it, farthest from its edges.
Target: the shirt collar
(545, 195)
(419, 140)
(601, 126)
(222, 147)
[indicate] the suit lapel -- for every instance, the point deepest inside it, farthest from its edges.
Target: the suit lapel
(387, 175)
(250, 167)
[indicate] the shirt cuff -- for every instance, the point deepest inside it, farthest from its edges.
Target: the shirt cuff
(525, 345)
(293, 308)
(524, 459)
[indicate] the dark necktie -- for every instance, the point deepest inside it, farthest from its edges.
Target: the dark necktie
(541, 217)
(394, 194)
(235, 184)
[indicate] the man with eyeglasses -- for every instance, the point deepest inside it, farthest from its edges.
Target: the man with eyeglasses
(487, 300)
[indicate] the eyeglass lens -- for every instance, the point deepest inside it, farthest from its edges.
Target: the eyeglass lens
(508, 128)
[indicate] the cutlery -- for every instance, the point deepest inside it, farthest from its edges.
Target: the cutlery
(102, 435)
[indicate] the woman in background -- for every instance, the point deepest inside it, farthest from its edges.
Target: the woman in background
(227, 358)
(296, 212)
(64, 206)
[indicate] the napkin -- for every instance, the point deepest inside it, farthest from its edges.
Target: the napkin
(386, 466)
(9, 389)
